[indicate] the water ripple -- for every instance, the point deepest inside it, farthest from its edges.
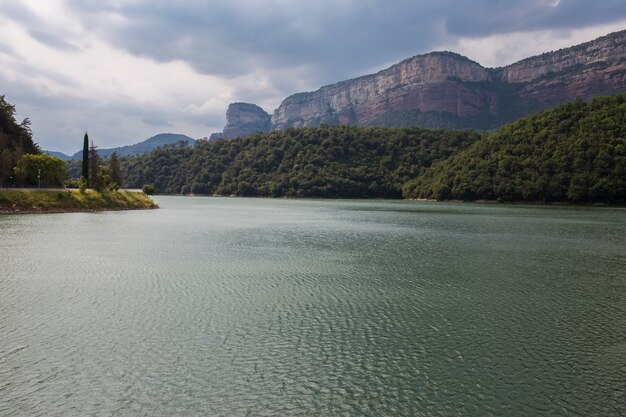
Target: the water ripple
(274, 307)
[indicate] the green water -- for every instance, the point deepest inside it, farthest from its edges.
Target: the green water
(217, 306)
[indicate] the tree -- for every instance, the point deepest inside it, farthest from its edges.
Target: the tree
(6, 166)
(94, 164)
(115, 171)
(148, 189)
(31, 169)
(16, 139)
(85, 172)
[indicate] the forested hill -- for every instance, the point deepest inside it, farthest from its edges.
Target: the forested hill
(576, 153)
(340, 161)
(16, 139)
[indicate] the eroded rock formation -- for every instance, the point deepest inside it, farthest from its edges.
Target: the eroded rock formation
(444, 89)
(243, 119)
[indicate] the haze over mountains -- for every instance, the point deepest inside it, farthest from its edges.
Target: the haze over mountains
(447, 90)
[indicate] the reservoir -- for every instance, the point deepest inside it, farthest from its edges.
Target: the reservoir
(234, 307)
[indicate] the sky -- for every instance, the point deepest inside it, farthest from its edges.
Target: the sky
(126, 70)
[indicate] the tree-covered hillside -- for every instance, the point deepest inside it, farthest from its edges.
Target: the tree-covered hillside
(341, 161)
(575, 152)
(16, 139)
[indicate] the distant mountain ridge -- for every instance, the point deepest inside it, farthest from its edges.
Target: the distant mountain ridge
(136, 149)
(448, 90)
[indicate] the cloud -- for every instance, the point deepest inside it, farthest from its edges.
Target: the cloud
(125, 68)
(503, 49)
(335, 37)
(52, 40)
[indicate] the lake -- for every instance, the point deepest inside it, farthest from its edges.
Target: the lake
(233, 307)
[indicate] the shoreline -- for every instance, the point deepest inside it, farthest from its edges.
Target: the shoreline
(69, 210)
(419, 200)
(38, 201)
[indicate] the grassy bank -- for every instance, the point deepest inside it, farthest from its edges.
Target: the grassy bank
(46, 201)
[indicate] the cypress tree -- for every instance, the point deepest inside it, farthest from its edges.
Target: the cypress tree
(85, 172)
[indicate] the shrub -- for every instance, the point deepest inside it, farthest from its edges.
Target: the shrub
(148, 189)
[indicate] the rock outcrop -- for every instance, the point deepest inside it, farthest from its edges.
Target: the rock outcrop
(431, 82)
(243, 119)
(605, 50)
(444, 89)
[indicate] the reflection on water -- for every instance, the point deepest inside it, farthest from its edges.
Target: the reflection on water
(215, 306)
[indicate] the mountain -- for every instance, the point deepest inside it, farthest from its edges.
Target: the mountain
(447, 90)
(436, 82)
(243, 119)
(59, 155)
(136, 149)
(575, 152)
(444, 89)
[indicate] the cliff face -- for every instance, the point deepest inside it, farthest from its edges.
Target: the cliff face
(243, 119)
(608, 49)
(461, 91)
(428, 82)
(585, 71)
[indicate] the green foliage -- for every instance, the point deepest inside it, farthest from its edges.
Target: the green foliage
(44, 170)
(115, 170)
(148, 189)
(82, 184)
(6, 166)
(72, 183)
(108, 173)
(16, 139)
(340, 161)
(94, 179)
(575, 152)
(85, 165)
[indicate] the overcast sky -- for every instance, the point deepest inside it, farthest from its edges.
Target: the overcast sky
(126, 70)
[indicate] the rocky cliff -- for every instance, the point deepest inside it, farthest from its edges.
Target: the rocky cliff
(431, 82)
(444, 89)
(243, 119)
(610, 49)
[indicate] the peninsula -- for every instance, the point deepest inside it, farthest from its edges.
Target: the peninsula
(16, 201)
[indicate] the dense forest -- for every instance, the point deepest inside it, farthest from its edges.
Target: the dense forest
(338, 161)
(16, 139)
(575, 152)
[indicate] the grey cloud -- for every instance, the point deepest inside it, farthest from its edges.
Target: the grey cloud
(156, 120)
(230, 40)
(338, 38)
(487, 17)
(572, 14)
(7, 49)
(19, 12)
(59, 121)
(52, 40)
